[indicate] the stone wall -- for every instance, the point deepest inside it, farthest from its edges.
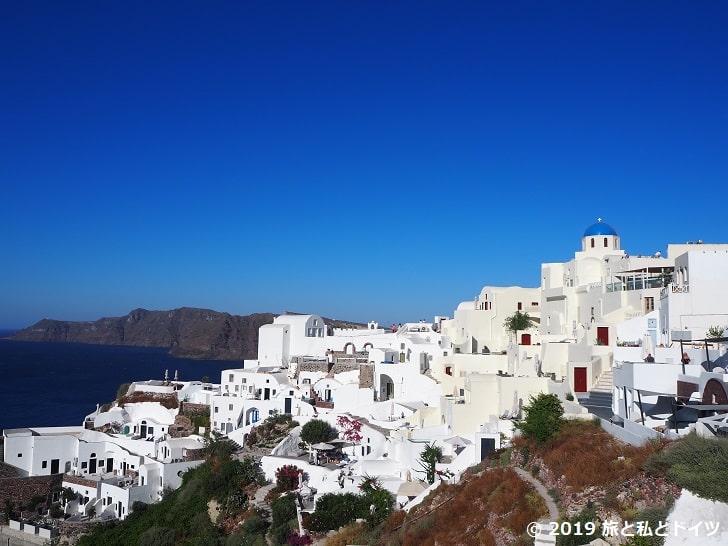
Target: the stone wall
(188, 408)
(78, 480)
(194, 455)
(316, 366)
(344, 365)
(19, 490)
(182, 427)
(366, 376)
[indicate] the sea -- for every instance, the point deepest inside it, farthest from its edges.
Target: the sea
(58, 384)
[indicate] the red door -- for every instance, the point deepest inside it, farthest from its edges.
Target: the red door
(525, 339)
(579, 379)
(602, 335)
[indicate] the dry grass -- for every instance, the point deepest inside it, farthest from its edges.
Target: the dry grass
(354, 533)
(483, 510)
(586, 455)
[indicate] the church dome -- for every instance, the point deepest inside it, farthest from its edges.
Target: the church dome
(600, 228)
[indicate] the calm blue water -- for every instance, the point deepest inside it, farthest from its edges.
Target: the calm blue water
(58, 384)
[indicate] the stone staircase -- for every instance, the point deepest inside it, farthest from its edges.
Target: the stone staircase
(599, 399)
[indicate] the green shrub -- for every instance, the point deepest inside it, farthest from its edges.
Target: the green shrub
(333, 511)
(698, 464)
(543, 418)
(316, 431)
(283, 512)
(505, 457)
(587, 515)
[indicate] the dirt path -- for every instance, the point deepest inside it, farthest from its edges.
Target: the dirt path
(550, 504)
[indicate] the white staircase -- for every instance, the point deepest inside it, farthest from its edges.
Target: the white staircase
(604, 383)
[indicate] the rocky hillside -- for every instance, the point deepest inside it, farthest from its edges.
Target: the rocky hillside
(187, 332)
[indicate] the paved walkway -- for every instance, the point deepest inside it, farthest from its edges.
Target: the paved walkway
(259, 498)
(550, 504)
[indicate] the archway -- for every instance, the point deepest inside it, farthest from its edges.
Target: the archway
(349, 348)
(386, 387)
(252, 416)
(714, 393)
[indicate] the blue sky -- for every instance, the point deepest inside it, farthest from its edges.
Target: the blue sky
(364, 161)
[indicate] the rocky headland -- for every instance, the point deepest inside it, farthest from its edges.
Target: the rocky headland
(187, 332)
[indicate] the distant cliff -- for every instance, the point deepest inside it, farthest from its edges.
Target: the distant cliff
(186, 332)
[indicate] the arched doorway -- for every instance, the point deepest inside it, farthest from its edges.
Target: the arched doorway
(252, 416)
(714, 393)
(386, 387)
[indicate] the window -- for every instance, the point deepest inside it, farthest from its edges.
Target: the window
(520, 306)
(245, 380)
(216, 409)
(592, 242)
(230, 407)
(230, 378)
(84, 464)
(649, 304)
(605, 243)
(20, 455)
(44, 464)
(534, 304)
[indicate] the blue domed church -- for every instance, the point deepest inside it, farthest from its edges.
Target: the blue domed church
(600, 238)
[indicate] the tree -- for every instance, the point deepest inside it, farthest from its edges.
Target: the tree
(316, 431)
(218, 447)
(543, 418)
(518, 321)
(428, 460)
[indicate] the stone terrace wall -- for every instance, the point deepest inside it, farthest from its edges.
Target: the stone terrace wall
(182, 427)
(340, 366)
(19, 490)
(78, 480)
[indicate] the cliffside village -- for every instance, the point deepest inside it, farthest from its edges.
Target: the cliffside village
(631, 339)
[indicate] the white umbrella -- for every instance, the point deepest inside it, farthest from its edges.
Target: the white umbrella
(322, 446)
(458, 441)
(410, 489)
(647, 345)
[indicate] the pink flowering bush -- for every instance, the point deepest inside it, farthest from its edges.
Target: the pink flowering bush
(350, 429)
